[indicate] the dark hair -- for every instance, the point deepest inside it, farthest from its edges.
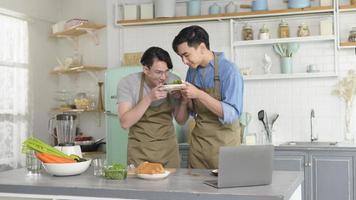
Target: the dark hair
(193, 35)
(153, 53)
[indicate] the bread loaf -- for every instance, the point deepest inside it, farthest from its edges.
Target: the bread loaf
(150, 168)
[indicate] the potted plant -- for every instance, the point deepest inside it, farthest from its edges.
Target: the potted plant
(286, 52)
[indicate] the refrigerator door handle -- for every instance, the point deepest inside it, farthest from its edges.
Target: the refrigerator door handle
(110, 113)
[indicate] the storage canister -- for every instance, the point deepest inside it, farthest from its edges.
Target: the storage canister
(247, 32)
(165, 8)
(264, 33)
(303, 30)
(283, 31)
(352, 36)
(193, 7)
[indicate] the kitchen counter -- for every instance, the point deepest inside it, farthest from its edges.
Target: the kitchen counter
(184, 184)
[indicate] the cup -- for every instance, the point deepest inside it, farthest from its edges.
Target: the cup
(99, 164)
(33, 165)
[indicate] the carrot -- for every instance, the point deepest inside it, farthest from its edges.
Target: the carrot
(56, 159)
(43, 158)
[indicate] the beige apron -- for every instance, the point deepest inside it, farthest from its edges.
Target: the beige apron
(153, 137)
(209, 133)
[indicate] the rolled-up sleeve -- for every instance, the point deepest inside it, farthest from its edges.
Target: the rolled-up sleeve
(232, 87)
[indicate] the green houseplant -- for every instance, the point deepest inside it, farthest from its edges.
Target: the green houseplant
(286, 52)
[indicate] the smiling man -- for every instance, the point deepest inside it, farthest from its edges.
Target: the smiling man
(215, 88)
(147, 110)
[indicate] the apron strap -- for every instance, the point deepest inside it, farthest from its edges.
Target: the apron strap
(216, 77)
(141, 87)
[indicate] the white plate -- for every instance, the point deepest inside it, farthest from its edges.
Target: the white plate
(172, 87)
(154, 176)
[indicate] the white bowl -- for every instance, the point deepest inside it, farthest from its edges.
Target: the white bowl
(66, 169)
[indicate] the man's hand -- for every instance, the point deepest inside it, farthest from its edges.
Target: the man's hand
(190, 91)
(157, 93)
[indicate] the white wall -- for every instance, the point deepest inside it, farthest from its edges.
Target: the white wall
(42, 49)
(292, 99)
(91, 124)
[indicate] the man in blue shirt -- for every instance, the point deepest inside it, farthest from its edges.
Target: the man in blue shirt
(213, 94)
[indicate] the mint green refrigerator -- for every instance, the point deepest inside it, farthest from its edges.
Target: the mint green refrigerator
(116, 137)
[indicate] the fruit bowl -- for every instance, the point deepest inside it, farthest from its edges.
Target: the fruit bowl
(66, 169)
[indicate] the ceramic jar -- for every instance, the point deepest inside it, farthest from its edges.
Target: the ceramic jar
(214, 9)
(247, 32)
(165, 8)
(283, 30)
(193, 7)
(264, 33)
(303, 30)
(231, 7)
(259, 5)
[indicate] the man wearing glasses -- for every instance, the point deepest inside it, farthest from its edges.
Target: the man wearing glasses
(215, 88)
(147, 110)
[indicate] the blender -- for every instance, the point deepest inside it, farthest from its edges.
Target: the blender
(66, 128)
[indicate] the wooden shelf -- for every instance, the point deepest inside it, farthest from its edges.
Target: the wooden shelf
(254, 14)
(72, 110)
(347, 8)
(79, 69)
(286, 40)
(290, 76)
(79, 30)
(348, 45)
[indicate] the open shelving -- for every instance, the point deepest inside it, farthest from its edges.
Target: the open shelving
(285, 40)
(79, 69)
(68, 110)
(79, 30)
(289, 76)
(226, 16)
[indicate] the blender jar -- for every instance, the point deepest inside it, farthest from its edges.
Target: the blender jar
(66, 127)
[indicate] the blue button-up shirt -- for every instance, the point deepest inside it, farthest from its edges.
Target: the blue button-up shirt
(231, 82)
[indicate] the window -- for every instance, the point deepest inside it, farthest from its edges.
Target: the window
(13, 89)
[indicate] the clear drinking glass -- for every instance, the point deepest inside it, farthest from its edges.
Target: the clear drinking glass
(33, 165)
(99, 164)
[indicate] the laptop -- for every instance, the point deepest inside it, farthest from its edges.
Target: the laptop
(245, 165)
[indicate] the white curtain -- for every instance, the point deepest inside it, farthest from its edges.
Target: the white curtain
(14, 112)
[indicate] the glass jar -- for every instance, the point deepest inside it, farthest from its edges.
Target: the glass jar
(82, 101)
(264, 33)
(283, 30)
(352, 36)
(247, 32)
(303, 30)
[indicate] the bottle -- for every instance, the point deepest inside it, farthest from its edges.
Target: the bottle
(283, 31)
(247, 32)
(264, 33)
(303, 30)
